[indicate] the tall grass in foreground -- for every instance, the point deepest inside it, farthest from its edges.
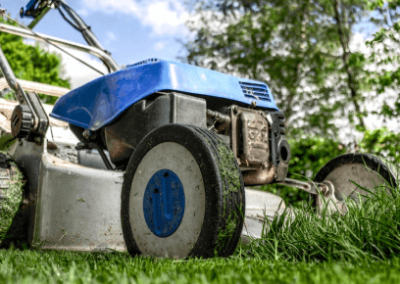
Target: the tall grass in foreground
(360, 248)
(370, 229)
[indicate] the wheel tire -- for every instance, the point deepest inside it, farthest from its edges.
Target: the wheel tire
(201, 166)
(11, 196)
(366, 170)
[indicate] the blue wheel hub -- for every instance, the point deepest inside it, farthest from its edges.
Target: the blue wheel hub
(164, 203)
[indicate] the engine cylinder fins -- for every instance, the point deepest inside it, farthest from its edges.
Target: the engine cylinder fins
(347, 177)
(182, 195)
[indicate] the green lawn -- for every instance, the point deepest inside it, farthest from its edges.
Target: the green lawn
(361, 247)
(66, 267)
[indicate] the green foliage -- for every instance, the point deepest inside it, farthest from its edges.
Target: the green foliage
(302, 50)
(274, 43)
(32, 63)
(386, 43)
(383, 143)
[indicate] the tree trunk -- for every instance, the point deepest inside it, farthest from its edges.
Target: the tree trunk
(351, 82)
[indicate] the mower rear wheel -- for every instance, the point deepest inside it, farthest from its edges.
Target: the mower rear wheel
(183, 195)
(350, 174)
(11, 197)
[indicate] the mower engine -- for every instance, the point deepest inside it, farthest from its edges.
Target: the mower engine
(248, 120)
(256, 137)
(259, 144)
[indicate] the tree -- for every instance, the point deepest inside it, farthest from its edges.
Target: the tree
(264, 42)
(33, 63)
(386, 45)
(302, 49)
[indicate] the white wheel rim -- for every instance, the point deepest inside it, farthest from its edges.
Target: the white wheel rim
(343, 178)
(174, 157)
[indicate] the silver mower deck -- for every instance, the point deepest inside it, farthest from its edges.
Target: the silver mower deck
(78, 201)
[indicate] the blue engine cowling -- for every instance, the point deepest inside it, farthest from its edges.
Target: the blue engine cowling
(101, 101)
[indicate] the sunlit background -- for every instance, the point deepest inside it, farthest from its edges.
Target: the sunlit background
(131, 30)
(134, 30)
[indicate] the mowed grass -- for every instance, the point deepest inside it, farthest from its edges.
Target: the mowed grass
(67, 267)
(361, 247)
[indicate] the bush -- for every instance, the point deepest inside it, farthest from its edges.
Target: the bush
(383, 143)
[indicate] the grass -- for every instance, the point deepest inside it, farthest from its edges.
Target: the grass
(360, 247)
(67, 267)
(370, 230)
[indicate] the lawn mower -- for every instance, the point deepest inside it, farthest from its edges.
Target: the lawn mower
(157, 158)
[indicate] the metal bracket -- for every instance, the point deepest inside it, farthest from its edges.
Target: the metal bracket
(310, 187)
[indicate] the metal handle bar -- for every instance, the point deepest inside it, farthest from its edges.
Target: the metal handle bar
(12, 80)
(108, 60)
(36, 87)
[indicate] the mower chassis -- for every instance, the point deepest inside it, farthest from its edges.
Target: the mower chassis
(73, 203)
(77, 208)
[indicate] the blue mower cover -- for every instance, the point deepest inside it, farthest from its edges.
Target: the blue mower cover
(101, 101)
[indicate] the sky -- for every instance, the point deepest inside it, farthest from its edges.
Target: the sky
(132, 30)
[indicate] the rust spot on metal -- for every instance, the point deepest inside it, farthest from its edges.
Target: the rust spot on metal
(51, 145)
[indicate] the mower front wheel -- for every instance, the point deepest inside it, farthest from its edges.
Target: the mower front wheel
(351, 175)
(182, 195)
